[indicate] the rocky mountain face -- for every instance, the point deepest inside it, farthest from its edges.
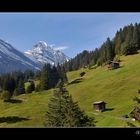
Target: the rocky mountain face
(44, 53)
(12, 59)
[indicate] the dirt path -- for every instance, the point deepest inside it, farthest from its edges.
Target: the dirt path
(110, 116)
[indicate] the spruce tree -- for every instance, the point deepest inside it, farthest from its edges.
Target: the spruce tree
(64, 112)
(62, 74)
(109, 50)
(130, 45)
(31, 87)
(54, 77)
(6, 95)
(38, 87)
(9, 84)
(136, 37)
(118, 42)
(45, 77)
(20, 88)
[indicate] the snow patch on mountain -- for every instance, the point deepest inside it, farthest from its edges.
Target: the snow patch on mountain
(12, 59)
(44, 53)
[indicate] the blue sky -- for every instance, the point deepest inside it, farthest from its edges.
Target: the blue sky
(71, 32)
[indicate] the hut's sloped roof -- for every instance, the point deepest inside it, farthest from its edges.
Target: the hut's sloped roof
(99, 102)
(115, 62)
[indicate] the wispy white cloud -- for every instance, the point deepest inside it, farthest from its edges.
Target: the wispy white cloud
(61, 48)
(52, 45)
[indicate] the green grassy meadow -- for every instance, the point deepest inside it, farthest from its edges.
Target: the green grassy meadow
(116, 87)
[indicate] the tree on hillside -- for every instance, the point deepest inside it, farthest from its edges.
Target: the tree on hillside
(61, 74)
(136, 37)
(9, 84)
(64, 112)
(94, 57)
(28, 74)
(109, 50)
(20, 88)
(129, 46)
(38, 87)
(118, 41)
(18, 75)
(45, 77)
(5, 95)
(64, 75)
(50, 75)
(37, 75)
(128, 49)
(31, 87)
(54, 77)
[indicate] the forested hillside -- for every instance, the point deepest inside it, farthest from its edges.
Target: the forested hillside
(125, 42)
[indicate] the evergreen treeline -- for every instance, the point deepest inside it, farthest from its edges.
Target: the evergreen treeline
(50, 75)
(10, 81)
(125, 42)
(13, 84)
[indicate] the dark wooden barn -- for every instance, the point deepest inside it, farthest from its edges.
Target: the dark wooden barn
(136, 113)
(99, 106)
(113, 65)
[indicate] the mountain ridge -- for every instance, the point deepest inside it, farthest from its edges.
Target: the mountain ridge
(12, 59)
(45, 53)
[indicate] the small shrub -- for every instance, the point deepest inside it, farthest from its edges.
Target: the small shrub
(117, 58)
(82, 74)
(30, 88)
(138, 90)
(136, 99)
(5, 95)
(37, 88)
(130, 124)
(16, 92)
(125, 116)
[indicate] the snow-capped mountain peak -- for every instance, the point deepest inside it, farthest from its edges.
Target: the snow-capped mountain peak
(12, 60)
(44, 53)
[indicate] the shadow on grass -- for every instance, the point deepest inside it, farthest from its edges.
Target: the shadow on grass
(121, 66)
(12, 119)
(13, 101)
(92, 68)
(78, 80)
(134, 53)
(108, 109)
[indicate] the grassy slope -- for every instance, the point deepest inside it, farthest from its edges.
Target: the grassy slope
(33, 107)
(117, 88)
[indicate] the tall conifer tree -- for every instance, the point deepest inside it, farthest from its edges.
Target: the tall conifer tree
(64, 112)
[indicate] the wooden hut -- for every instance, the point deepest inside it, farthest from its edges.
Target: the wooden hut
(99, 106)
(136, 113)
(113, 65)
